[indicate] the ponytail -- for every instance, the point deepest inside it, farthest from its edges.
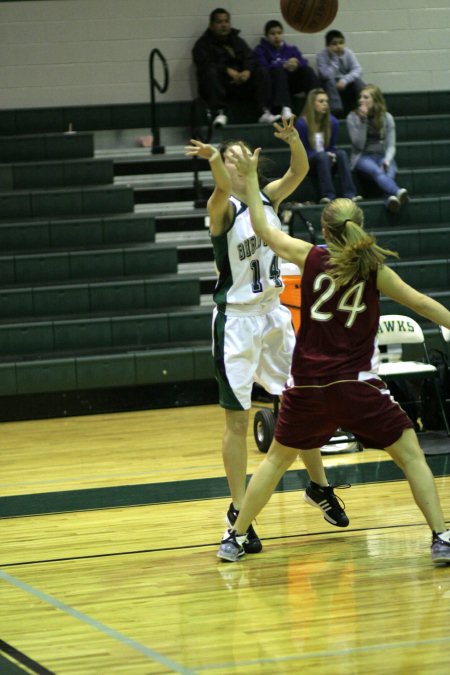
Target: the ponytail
(354, 254)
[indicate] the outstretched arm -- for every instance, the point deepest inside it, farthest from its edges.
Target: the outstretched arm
(390, 284)
(287, 247)
(218, 204)
(280, 189)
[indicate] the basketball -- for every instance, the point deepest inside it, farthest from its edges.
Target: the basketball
(309, 16)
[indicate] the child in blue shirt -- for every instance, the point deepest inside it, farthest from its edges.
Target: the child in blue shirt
(289, 70)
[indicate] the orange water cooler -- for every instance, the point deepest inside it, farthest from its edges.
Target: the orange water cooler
(291, 295)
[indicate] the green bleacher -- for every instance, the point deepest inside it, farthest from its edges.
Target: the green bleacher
(91, 302)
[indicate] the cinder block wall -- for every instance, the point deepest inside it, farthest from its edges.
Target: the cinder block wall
(88, 52)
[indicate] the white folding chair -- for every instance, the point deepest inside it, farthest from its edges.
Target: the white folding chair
(397, 330)
(445, 332)
(445, 335)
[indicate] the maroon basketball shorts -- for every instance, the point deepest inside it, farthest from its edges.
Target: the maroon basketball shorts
(310, 414)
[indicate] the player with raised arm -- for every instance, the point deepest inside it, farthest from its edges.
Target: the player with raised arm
(253, 338)
(334, 379)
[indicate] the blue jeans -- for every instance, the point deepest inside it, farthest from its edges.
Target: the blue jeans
(371, 165)
(322, 166)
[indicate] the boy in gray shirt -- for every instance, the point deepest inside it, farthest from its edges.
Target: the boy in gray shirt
(339, 73)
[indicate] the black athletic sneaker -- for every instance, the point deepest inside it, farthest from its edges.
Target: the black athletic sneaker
(325, 500)
(253, 543)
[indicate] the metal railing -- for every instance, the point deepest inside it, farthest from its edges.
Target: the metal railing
(157, 148)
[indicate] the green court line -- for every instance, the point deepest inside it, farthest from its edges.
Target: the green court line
(196, 489)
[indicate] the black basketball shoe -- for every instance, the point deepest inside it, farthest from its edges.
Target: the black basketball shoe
(324, 499)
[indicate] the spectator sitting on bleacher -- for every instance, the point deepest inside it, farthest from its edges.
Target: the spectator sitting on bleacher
(289, 70)
(339, 73)
(227, 68)
(372, 133)
(318, 132)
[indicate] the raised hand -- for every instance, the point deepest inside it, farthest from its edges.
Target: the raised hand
(245, 162)
(287, 133)
(199, 149)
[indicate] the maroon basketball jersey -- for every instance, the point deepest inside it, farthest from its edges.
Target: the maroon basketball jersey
(338, 325)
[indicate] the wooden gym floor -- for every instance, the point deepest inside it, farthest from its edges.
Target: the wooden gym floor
(109, 531)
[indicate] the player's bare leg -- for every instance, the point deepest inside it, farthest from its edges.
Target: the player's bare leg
(260, 489)
(409, 457)
(263, 483)
(234, 453)
(312, 459)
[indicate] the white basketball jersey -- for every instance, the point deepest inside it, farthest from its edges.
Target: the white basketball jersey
(249, 272)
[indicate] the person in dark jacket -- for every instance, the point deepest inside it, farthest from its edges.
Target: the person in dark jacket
(289, 70)
(227, 68)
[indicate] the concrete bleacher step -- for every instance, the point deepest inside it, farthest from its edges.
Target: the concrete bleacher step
(183, 221)
(420, 211)
(424, 237)
(409, 154)
(426, 181)
(198, 250)
(115, 118)
(147, 194)
(21, 340)
(154, 165)
(418, 242)
(423, 262)
(65, 202)
(93, 264)
(36, 234)
(56, 173)
(418, 102)
(419, 182)
(114, 369)
(207, 277)
(430, 177)
(163, 208)
(442, 294)
(84, 298)
(33, 148)
(425, 274)
(408, 127)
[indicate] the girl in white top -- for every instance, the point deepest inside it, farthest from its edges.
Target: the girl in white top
(248, 270)
(253, 337)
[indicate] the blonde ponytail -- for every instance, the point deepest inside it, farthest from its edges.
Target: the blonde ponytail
(354, 254)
